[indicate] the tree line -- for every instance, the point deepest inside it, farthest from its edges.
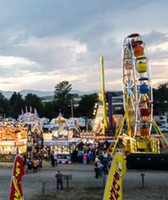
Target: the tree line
(160, 99)
(63, 101)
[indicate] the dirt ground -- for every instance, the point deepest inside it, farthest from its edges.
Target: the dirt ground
(84, 186)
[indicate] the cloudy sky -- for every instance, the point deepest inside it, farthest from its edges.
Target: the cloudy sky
(44, 42)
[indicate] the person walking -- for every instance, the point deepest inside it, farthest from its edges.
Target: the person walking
(59, 181)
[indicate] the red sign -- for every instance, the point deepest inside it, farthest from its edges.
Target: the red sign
(17, 173)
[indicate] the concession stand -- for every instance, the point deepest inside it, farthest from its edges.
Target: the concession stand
(63, 148)
(13, 140)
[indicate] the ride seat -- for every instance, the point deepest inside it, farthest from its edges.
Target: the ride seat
(144, 89)
(138, 51)
(144, 131)
(136, 43)
(141, 67)
(145, 112)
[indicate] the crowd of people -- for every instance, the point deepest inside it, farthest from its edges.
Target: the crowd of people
(95, 155)
(85, 154)
(33, 164)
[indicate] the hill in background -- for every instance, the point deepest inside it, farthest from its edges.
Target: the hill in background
(41, 93)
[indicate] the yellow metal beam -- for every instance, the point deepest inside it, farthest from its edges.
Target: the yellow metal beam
(158, 131)
(117, 135)
(103, 93)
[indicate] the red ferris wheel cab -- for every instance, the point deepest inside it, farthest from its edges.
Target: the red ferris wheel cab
(133, 35)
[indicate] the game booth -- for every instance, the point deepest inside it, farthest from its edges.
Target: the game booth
(63, 148)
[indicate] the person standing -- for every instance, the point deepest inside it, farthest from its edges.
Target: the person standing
(97, 170)
(59, 181)
(55, 158)
(80, 155)
(52, 159)
(84, 157)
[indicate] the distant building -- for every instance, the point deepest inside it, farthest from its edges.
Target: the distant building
(117, 102)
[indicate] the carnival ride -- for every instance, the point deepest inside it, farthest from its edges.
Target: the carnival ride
(103, 115)
(144, 150)
(98, 119)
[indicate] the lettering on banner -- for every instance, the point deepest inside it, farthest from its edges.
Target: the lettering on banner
(114, 192)
(17, 196)
(17, 169)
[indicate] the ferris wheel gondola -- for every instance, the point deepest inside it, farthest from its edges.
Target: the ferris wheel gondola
(137, 90)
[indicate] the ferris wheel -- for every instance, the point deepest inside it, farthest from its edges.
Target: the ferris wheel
(137, 90)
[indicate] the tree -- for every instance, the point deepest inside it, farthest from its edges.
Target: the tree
(62, 96)
(86, 105)
(4, 106)
(163, 92)
(49, 110)
(34, 102)
(156, 106)
(16, 104)
(161, 99)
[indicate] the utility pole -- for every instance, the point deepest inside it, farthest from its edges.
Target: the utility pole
(72, 108)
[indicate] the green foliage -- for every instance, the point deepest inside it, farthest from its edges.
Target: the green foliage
(33, 101)
(62, 97)
(16, 104)
(62, 90)
(86, 105)
(49, 110)
(160, 99)
(163, 92)
(4, 106)
(62, 101)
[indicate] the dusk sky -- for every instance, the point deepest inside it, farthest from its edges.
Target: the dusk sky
(44, 42)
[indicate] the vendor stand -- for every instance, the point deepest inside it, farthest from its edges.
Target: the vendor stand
(13, 140)
(61, 140)
(63, 148)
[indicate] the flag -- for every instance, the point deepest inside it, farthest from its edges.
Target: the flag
(26, 109)
(17, 173)
(113, 189)
(22, 112)
(35, 112)
(30, 108)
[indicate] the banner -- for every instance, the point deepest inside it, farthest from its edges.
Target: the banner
(17, 173)
(113, 189)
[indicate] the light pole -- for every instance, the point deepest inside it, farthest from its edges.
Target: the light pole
(71, 108)
(165, 111)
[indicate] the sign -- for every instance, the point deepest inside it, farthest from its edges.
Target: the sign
(17, 173)
(6, 157)
(72, 142)
(113, 189)
(47, 136)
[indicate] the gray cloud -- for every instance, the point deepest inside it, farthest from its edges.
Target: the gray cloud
(65, 39)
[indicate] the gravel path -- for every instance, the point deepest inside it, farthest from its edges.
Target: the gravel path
(83, 185)
(82, 180)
